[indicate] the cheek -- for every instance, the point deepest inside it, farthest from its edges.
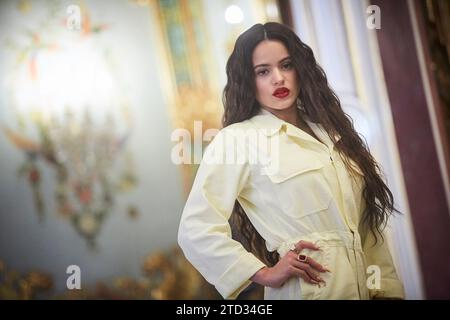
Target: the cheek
(261, 89)
(294, 80)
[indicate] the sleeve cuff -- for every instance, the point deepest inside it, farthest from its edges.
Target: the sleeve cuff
(237, 277)
(390, 289)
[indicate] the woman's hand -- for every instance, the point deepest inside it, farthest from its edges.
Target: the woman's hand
(291, 266)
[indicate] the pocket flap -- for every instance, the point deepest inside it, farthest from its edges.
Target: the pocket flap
(287, 171)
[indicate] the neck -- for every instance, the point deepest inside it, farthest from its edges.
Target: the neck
(289, 114)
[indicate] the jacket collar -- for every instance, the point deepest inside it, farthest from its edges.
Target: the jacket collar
(266, 120)
(272, 125)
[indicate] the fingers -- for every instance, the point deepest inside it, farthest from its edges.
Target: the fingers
(308, 271)
(299, 246)
(304, 275)
(313, 263)
(312, 274)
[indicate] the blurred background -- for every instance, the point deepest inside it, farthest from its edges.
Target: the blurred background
(94, 93)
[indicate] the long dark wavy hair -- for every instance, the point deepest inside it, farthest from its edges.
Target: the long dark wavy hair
(321, 105)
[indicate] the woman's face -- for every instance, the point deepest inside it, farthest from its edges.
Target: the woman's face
(275, 76)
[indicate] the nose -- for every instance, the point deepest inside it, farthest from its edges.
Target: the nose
(277, 77)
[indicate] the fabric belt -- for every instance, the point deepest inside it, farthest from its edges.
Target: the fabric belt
(329, 239)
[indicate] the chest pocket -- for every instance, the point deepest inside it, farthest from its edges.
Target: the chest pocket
(301, 186)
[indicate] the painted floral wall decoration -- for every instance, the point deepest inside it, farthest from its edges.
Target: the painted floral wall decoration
(67, 115)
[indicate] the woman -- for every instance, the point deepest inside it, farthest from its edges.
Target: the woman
(310, 212)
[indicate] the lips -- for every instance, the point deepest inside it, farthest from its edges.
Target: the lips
(281, 93)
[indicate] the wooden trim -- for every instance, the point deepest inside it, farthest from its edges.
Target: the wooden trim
(286, 12)
(436, 105)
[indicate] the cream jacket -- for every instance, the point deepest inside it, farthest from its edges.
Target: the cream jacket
(311, 196)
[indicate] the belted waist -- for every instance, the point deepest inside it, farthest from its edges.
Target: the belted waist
(329, 239)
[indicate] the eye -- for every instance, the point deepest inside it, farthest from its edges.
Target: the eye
(262, 72)
(287, 65)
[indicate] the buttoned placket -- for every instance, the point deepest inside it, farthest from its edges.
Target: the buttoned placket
(348, 202)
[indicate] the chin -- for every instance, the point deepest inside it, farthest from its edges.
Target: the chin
(284, 106)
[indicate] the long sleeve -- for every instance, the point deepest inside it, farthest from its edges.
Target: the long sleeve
(379, 255)
(204, 233)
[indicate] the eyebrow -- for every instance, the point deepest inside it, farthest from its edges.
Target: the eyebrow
(266, 65)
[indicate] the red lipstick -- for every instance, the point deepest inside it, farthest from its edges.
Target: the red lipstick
(281, 93)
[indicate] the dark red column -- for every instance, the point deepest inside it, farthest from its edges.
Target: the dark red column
(424, 183)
